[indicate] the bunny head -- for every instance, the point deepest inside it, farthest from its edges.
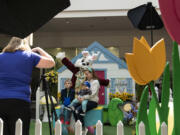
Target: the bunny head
(86, 60)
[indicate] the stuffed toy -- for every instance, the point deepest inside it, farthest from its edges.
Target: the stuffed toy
(77, 68)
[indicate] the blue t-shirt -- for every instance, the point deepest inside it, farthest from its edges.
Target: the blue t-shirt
(15, 74)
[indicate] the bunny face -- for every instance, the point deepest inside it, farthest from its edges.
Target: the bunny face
(86, 60)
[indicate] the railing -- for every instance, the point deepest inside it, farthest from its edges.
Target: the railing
(78, 128)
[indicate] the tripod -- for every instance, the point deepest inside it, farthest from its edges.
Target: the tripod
(47, 94)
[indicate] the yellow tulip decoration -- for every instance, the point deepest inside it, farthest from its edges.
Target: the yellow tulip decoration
(145, 63)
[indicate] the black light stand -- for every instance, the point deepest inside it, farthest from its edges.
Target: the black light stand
(47, 93)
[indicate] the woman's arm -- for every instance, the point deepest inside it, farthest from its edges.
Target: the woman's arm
(46, 60)
(94, 89)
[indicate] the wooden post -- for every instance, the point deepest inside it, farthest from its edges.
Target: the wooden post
(38, 127)
(120, 128)
(18, 130)
(99, 128)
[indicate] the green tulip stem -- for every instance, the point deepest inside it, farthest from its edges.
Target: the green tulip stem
(151, 87)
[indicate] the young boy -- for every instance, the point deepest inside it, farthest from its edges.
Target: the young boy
(83, 92)
(67, 95)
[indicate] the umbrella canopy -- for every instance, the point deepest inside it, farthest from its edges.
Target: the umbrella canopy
(145, 17)
(22, 17)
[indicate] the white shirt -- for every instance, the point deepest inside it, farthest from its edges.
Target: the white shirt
(95, 91)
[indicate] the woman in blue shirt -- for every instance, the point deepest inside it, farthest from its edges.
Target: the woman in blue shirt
(17, 61)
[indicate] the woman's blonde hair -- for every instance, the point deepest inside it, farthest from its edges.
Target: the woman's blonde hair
(17, 44)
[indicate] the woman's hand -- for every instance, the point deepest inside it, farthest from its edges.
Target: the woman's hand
(36, 50)
(46, 60)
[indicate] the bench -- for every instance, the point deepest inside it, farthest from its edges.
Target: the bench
(90, 118)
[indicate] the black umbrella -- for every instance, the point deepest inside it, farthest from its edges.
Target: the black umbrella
(145, 17)
(21, 17)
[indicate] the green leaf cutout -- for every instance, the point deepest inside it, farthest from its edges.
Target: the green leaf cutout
(152, 116)
(142, 112)
(176, 89)
(165, 95)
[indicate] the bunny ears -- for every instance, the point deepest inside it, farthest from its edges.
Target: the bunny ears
(86, 54)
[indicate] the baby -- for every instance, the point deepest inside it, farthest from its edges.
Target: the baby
(85, 90)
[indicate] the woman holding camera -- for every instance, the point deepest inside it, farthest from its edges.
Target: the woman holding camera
(17, 61)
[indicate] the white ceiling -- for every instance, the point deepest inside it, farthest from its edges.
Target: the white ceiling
(60, 25)
(91, 23)
(69, 32)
